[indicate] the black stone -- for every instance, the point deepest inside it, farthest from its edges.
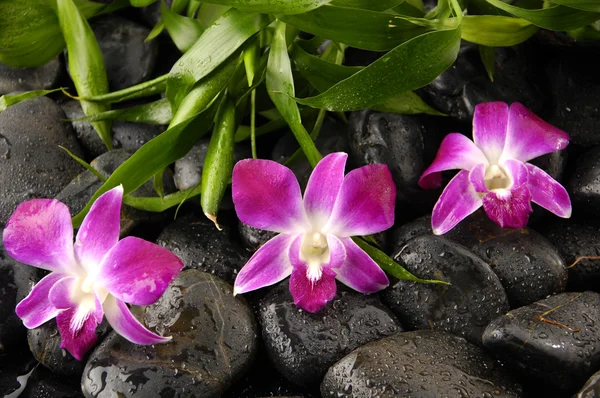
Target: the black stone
(424, 363)
(584, 184)
(131, 136)
(574, 239)
(26, 79)
(14, 373)
(43, 384)
(129, 60)
(552, 343)
(31, 163)
(591, 388)
(201, 246)
(254, 238)
(466, 83)
(214, 342)
(86, 134)
(474, 298)
(303, 345)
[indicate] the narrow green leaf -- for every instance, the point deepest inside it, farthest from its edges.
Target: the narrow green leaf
(380, 5)
(145, 89)
(584, 5)
(154, 156)
(555, 17)
(280, 86)
(183, 30)
(496, 30)
(11, 99)
(141, 3)
(285, 7)
(158, 205)
(209, 13)
(218, 164)
(157, 182)
(587, 33)
(216, 44)
(488, 57)
(407, 67)
(244, 132)
(85, 164)
(407, 103)
(86, 63)
(156, 30)
(157, 112)
(408, 9)
(390, 266)
(363, 29)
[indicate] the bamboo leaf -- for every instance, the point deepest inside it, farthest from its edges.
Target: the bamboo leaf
(157, 205)
(286, 7)
(380, 5)
(145, 89)
(216, 44)
(183, 30)
(280, 86)
(555, 17)
(85, 164)
(11, 99)
(141, 3)
(496, 30)
(86, 63)
(157, 112)
(584, 5)
(488, 57)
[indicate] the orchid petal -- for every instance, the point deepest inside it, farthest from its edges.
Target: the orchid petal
(312, 296)
(62, 293)
(528, 136)
(456, 152)
(509, 208)
(40, 233)
(477, 178)
(548, 193)
(125, 324)
(78, 340)
(36, 308)
(490, 120)
(359, 271)
(269, 265)
(323, 188)
(137, 271)
(99, 231)
(365, 204)
(456, 202)
(267, 195)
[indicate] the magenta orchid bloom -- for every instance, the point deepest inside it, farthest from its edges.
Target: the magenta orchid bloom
(494, 173)
(92, 278)
(314, 244)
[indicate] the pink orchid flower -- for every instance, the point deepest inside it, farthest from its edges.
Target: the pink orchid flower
(90, 279)
(494, 173)
(314, 244)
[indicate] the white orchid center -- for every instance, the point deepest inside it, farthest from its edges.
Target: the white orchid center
(87, 286)
(496, 178)
(314, 251)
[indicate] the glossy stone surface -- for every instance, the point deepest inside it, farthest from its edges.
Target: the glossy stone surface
(25, 79)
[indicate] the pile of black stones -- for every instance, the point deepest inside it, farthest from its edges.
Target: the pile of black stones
(515, 321)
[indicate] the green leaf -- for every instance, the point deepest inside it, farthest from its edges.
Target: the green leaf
(145, 89)
(280, 86)
(390, 266)
(286, 7)
(209, 13)
(11, 99)
(488, 57)
(86, 63)
(85, 164)
(584, 5)
(29, 33)
(496, 30)
(216, 44)
(154, 156)
(218, 164)
(408, 103)
(408, 9)
(378, 5)
(157, 112)
(368, 30)
(141, 3)
(553, 18)
(183, 30)
(158, 205)
(407, 67)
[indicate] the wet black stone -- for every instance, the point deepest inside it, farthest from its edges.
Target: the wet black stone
(128, 59)
(574, 239)
(424, 363)
(43, 384)
(25, 79)
(131, 136)
(405, 143)
(574, 84)
(87, 136)
(214, 342)
(557, 354)
(31, 163)
(253, 238)
(14, 373)
(81, 189)
(552, 163)
(302, 345)
(44, 343)
(466, 307)
(591, 388)
(466, 83)
(201, 246)
(584, 184)
(401, 234)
